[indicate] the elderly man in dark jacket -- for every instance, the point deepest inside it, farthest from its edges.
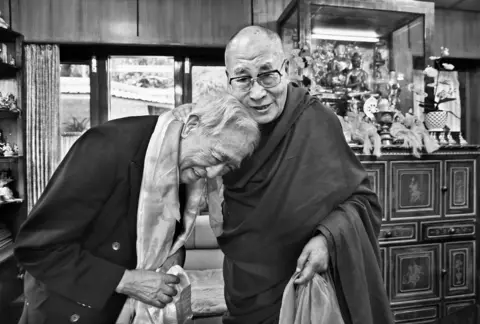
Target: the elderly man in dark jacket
(78, 245)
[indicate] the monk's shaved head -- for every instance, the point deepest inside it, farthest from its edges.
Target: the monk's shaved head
(257, 72)
(254, 37)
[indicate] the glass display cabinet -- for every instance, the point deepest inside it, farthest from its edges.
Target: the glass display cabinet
(347, 51)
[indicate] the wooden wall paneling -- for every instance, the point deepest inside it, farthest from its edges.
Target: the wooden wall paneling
(266, 12)
(76, 21)
(192, 22)
(457, 30)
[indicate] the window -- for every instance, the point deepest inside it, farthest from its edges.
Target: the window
(74, 103)
(140, 85)
(207, 79)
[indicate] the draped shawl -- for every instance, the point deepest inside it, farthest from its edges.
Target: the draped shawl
(303, 178)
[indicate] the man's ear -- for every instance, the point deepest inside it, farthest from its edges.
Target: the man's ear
(287, 66)
(190, 125)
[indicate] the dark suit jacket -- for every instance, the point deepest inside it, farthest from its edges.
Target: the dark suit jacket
(81, 235)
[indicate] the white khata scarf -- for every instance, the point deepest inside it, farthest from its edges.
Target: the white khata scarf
(159, 208)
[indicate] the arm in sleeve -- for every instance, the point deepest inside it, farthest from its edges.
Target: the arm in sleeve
(49, 243)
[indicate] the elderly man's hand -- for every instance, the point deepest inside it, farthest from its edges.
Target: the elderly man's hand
(150, 287)
(313, 259)
(181, 112)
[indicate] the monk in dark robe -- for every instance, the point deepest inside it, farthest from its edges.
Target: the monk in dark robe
(302, 202)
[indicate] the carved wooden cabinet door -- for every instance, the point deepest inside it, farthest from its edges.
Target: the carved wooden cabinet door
(415, 189)
(415, 273)
(459, 272)
(459, 189)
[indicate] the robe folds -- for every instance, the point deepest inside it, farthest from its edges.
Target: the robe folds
(302, 179)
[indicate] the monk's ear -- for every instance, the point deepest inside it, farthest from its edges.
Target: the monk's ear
(287, 66)
(190, 125)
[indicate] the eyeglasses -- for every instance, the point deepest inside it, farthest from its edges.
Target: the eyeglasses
(267, 80)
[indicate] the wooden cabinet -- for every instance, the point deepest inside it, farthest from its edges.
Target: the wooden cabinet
(428, 236)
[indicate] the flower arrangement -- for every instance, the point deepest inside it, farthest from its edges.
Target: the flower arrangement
(443, 90)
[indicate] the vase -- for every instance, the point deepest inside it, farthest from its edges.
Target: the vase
(385, 120)
(435, 121)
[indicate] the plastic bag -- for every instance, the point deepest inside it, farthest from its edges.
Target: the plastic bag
(312, 303)
(179, 310)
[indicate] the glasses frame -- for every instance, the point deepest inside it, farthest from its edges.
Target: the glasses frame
(252, 80)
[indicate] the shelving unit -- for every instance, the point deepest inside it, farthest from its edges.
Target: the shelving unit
(12, 165)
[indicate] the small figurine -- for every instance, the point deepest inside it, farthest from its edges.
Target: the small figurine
(450, 139)
(15, 149)
(461, 140)
(357, 78)
(7, 150)
(441, 139)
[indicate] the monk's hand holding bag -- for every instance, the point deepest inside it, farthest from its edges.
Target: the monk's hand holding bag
(314, 302)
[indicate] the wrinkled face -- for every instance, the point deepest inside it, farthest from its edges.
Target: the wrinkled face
(265, 104)
(203, 156)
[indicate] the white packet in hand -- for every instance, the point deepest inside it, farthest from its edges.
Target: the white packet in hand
(179, 310)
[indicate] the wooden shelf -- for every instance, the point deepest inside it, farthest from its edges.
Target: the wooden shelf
(8, 35)
(11, 201)
(8, 114)
(10, 158)
(8, 71)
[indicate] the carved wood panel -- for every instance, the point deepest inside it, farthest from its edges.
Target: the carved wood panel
(441, 230)
(452, 307)
(414, 273)
(423, 314)
(460, 188)
(378, 180)
(415, 189)
(460, 275)
(384, 265)
(398, 233)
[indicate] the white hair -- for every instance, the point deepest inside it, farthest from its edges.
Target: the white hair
(222, 111)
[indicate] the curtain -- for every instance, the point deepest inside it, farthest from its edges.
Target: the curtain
(42, 86)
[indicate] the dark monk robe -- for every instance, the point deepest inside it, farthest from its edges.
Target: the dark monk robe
(303, 179)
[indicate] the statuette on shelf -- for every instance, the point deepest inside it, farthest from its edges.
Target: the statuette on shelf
(461, 140)
(441, 139)
(450, 139)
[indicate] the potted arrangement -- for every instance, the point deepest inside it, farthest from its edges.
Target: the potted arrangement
(438, 91)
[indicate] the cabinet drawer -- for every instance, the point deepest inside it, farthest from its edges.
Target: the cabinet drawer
(422, 314)
(447, 229)
(415, 190)
(404, 232)
(414, 273)
(453, 306)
